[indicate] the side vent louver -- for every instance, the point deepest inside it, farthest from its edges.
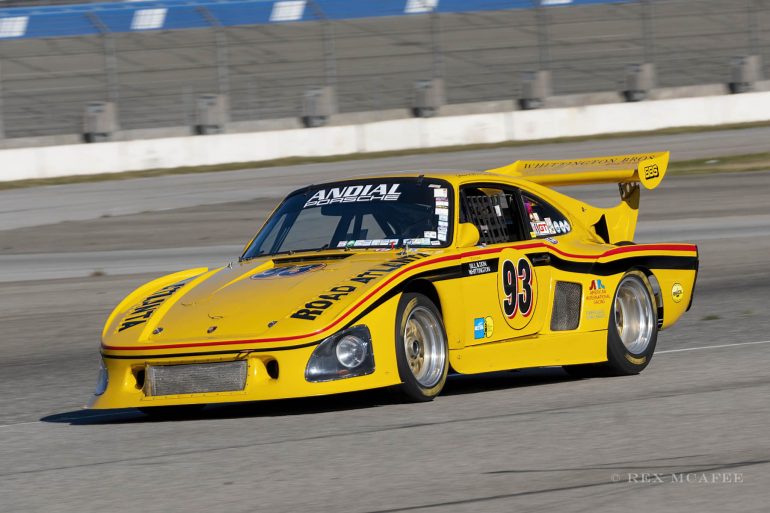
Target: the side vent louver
(566, 306)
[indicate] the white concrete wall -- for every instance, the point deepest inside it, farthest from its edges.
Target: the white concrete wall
(116, 157)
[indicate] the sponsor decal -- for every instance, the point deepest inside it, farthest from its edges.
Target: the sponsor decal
(314, 308)
(595, 314)
(354, 194)
(139, 314)
(677, 292)
(480, 267)
(442, 202)
(541, 228)
(630, 159)
(285, 272)
(552, 240)
(489, 327)
(483, 327)
(441, 192)
(597, 293)
(429, 235)
(651, 171)
(478, 328)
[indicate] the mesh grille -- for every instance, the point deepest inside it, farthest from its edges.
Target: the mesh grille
(195, 378)
(566, 306)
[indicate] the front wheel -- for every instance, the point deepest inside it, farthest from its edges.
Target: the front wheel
(421, 348)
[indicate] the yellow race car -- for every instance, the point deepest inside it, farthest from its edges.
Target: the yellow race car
(393, 280)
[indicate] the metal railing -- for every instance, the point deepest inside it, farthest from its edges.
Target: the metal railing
(154, 77)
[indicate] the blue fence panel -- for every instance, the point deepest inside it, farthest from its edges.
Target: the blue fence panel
(74, 20)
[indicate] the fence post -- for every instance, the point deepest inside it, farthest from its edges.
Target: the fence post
(110, 58)
(648, 32)
(435, 39)
(220, 40)
(2, 117)
(543, 40)
(752, 11)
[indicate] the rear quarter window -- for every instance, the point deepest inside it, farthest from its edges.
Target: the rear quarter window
(544, 219)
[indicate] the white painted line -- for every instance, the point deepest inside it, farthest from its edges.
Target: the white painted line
(713, 347)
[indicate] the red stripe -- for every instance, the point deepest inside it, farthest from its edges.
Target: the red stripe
(533, 245)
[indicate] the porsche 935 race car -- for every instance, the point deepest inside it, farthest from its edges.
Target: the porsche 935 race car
(393, 280)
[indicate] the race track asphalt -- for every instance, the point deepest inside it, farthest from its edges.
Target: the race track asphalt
(688, 434)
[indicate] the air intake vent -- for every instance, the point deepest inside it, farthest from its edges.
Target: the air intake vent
(195, 378)
(566, 306)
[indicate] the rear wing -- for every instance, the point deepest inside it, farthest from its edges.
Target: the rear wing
(645, 168)
(611, 225)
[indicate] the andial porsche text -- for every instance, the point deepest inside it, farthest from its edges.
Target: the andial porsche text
(354, 193)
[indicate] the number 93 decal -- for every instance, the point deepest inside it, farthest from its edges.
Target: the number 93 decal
(517, 292)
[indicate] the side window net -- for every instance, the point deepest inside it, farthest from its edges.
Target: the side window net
(489, 214)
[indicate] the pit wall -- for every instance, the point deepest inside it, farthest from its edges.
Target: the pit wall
(400, 134)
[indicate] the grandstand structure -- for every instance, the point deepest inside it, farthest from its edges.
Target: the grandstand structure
(155, 67)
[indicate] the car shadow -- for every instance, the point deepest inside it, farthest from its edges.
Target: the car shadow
(456, 385)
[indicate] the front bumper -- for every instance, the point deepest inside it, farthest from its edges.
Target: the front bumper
(270, 375)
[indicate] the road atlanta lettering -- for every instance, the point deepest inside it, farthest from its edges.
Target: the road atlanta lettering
(144, 311)
(312, 309)
(316, 307)
(354, 194)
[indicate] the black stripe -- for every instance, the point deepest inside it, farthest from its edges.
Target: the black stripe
(684, 263)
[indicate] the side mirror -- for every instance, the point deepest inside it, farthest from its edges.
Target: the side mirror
(467, 235)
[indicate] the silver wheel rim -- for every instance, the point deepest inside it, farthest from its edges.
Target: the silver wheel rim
(424, 346)
(634, 319)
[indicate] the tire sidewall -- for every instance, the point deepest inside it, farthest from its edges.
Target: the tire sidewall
(618, 356)
(409, 384)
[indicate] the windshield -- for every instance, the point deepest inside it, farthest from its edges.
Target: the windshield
(360, 214)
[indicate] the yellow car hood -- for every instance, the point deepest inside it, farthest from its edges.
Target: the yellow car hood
(285, 300)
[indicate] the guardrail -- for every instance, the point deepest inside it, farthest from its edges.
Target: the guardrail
(119, 17)
(402, 134)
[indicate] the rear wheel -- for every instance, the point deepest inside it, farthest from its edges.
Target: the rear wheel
(633, 329)
(421, 348)
(632, 332)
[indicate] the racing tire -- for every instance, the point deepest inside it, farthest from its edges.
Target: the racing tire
(633, 328)
(632, 332)
(422, 354)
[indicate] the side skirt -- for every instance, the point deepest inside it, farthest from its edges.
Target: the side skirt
(537, 351)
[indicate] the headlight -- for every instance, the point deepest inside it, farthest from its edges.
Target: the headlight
(102, 379)
(343, 355)
(351, 351)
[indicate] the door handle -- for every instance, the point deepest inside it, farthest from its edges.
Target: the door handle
(541, 259)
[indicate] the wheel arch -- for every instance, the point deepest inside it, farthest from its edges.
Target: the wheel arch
(449, 309)
(426, 288)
